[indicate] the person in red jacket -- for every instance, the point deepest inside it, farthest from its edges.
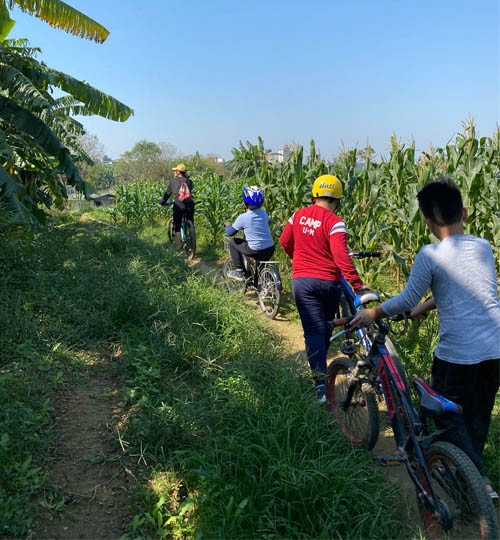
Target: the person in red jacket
(315, 238)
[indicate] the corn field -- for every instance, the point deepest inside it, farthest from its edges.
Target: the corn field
(379, 206)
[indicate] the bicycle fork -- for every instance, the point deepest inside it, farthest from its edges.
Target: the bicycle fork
(355, 378)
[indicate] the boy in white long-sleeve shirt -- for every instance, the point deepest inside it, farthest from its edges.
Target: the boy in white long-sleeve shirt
(460, 271)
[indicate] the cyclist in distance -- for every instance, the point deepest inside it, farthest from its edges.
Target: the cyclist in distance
(254, 222)
(315, 238)
(460, 271)
(181, 186)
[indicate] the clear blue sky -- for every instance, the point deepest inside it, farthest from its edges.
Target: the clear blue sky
(205, 75)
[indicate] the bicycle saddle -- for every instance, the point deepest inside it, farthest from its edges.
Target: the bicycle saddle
(432, 403)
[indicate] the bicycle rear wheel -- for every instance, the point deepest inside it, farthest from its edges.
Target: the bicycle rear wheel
(269, 291)
(353, 404)
(190, 239)
(459, 485)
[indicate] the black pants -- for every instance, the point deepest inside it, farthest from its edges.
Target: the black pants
(239, 247)
(317, 301)
(474, 387)
(178, 212)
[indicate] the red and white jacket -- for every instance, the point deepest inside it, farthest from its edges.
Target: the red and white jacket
(316, 240)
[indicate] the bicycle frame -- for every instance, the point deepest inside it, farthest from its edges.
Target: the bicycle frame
(404, 419)
(253, 267)
(449, 488)
(263, 277)
(354, 306)
(188, 246)
(183, 227)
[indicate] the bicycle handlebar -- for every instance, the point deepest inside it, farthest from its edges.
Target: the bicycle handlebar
(380, 323)
(344, 321)
(365, 254)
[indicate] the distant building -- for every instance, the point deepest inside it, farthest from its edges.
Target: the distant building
(284, 153)
(105, 199)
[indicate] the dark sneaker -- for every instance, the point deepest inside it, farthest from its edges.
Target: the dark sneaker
(238, 275)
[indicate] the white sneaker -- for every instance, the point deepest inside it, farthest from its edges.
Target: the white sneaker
(321, 394)
(237, 274)
(490, 490)
(321, 400)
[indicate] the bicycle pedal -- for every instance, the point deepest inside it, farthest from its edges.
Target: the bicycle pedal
(388, 461)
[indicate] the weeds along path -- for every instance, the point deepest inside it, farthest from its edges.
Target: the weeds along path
(291, 333)
(90, 500)
(288, 330)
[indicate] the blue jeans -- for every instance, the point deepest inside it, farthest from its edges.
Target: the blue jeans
(317, 301)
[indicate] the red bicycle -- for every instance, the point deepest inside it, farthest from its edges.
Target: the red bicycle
(451, 496)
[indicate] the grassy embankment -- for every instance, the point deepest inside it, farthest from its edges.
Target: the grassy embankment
(230, 441)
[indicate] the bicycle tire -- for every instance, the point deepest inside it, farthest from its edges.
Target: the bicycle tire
(360, 421)
(457, 483)
(170, 230)
(269, 291)
(190, 239)
(232, 285)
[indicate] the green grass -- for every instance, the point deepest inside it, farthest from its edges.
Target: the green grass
(220, 424)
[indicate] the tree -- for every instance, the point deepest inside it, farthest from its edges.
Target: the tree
(146, 162)
(100, 173)
(39, 138)
(198, 164)
(92, 146)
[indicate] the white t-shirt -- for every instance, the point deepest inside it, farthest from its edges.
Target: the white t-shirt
(460, 271)
(255, 224)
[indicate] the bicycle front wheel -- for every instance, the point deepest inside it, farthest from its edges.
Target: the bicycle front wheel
(353, 404)
(462, 497)
(189, 239)
(232, 284)
(170, 230)
(269, 291)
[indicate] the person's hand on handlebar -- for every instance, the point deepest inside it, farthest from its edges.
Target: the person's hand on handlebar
(363, 289)
(366, 316)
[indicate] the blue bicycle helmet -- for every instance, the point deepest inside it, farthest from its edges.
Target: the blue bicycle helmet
(253, 196)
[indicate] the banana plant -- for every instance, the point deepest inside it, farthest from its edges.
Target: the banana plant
(38, 135)
(56, 13)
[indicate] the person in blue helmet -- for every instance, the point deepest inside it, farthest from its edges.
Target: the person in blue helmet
(254, 222)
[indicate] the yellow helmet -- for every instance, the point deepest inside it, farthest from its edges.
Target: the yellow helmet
(181, 167)
(327, 185)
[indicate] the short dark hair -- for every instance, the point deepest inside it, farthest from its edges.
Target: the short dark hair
(328, 199)
(441, 201)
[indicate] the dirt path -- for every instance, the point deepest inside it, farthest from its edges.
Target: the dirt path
(91, 496)
(90, 499)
